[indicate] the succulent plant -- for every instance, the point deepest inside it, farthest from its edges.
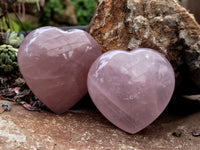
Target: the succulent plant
(13, 39)
(8, 58)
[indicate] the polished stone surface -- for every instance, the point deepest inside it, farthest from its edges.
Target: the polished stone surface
(55, 64)
(131, 89)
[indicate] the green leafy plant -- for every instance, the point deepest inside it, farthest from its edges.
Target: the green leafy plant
(84, 10)
(51, 7)
(14, 26)
(13, 39)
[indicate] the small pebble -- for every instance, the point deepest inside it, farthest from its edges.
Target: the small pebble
(177, 134)
(6, 107)
(195, 134)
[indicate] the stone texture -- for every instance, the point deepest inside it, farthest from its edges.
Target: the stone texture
(55, 65)
(84, 128)
(131, 89)
(163, 25)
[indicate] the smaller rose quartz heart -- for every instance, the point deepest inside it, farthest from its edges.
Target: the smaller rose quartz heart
(131, 89)
(55, 64)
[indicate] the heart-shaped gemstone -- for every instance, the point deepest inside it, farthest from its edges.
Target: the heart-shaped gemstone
(55, 64)
(131, 89)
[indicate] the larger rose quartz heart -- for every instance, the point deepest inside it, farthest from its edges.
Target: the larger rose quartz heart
(55, 64)
(131, 89)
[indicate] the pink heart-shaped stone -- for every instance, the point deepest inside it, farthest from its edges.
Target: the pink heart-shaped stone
(55, 64)
(131, 89)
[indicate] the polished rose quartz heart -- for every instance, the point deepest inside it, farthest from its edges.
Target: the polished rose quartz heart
(55, 64)
(131, 89)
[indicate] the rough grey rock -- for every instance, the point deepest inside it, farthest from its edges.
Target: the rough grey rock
(163, 25)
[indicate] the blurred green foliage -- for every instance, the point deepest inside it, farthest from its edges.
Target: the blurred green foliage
(51, 7)
(84, 10)
(14, 25)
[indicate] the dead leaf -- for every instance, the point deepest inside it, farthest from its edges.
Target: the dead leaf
(192, 97)
(7, 99)
(29, 107)
(1, 80)
(19, 81)
(16, 90)
(7, 92)
(22, 94)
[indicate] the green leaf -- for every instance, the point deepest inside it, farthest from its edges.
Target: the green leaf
(84, 10)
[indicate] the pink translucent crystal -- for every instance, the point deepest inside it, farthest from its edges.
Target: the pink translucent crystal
(131, 89)
(55, 64)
